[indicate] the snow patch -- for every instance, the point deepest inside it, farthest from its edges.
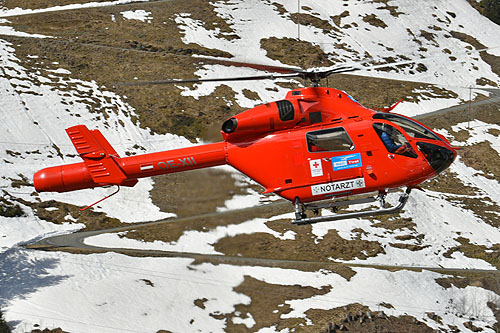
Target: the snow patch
(161, 293)
(140, 15)
(4, 12)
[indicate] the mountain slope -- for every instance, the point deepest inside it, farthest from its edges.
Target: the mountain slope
(60, 62)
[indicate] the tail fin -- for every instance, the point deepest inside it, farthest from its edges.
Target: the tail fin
(99, 157)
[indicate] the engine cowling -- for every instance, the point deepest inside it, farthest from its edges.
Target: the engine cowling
(302, 107)
(262, 119)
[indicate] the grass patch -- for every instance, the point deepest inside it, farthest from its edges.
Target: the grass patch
(485, 280)
(494, 131)
(21, 181)
(384, 323)
(487, 113)
(373, 20)
(429, 36)
(490, 255)
(10, 209)
(394, 222)
(251, 95)
(311, 20)
(489, 281)
(93, 47)
(493, 61)
(393, 10)
(303, 247)
(488, 8)
(337, 19)
(295, 52)
(174, 192)
(201, 302)
(268, 304)
(279, 8)
(59, 213)
(37, 4)
(357, 318)
(480, 156)
(170, 232)
(484, 208)
(389, 91)
(450, 183)
(337, 316)
(411, 247)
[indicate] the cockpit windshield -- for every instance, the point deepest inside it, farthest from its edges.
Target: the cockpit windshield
(413, 129)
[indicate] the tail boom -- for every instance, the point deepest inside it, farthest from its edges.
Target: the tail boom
(177, 160)
(101, 165)
(63, 178)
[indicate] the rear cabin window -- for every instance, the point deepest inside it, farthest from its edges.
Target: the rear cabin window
(332, 139)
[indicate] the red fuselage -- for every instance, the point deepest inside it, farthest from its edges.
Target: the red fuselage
(318, 143)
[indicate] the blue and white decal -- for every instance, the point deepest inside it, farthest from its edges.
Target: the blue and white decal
(352, 99)
(347, 162)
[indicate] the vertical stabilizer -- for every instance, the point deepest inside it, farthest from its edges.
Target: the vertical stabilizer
(99, 157)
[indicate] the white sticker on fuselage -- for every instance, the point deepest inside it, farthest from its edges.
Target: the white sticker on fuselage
(316, 168)
(341, 186)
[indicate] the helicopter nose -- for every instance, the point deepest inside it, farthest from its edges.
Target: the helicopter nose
(439, 157)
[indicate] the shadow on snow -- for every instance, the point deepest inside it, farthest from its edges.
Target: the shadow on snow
(21, 275)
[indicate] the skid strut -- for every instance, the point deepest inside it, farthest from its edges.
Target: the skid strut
(301, 218)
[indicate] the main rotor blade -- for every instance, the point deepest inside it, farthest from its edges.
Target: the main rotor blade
(359, 66)
(236, 78)
(315, 75)
(262, 67)
(426, 59)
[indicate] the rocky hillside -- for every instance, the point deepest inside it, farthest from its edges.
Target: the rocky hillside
(62, 63)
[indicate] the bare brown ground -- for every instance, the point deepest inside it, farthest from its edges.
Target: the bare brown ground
(269, 303)
(303, 247)
(37, 4)
(93, 47)
(194, 192)
(58, 212)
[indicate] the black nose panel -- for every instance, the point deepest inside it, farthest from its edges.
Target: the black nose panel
(438, 157)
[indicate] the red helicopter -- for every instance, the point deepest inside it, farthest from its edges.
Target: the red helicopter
(318, 148)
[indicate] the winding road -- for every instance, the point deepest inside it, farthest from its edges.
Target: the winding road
(492, 99)
(75, 242)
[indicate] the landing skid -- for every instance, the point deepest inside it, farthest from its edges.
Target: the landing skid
(301, 217)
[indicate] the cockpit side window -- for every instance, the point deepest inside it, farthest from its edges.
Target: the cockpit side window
(413, 129)
(393, 140)
(332, 139)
